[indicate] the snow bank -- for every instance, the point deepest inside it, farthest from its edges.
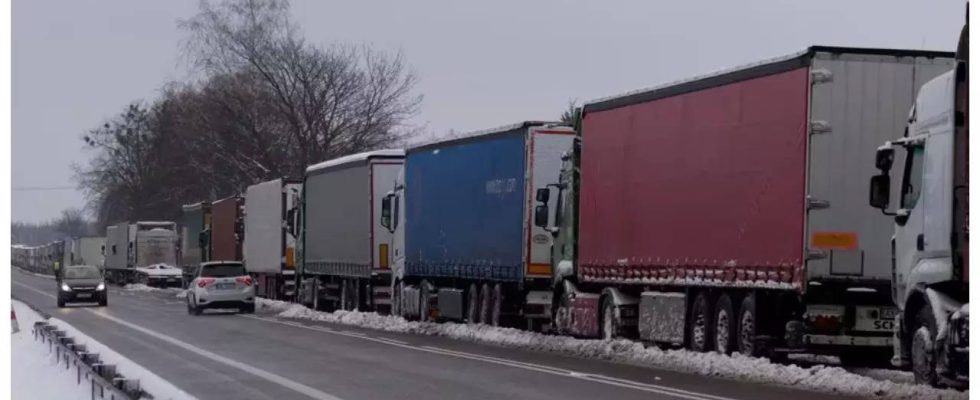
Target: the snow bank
(36, 386)
(827, 379)
(35, 373)
(139, 287)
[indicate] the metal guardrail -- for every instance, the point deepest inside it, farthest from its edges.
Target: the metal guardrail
(106, 382)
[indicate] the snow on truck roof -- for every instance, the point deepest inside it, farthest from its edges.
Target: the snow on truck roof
(355, 157)
(743, 72)
(480, 133)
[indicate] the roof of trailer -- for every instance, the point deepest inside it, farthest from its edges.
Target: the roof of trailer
(475, 135)
(744, 72)
(388, 153)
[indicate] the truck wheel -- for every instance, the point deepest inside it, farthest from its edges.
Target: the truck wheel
(610, 325)
(923, 348)
(701, 327)
(747, 343)
(725, 325)
(396, 299)
(498, 298)
(561, 314)
(473, 304)
(486, 300)
(424, 313)
(344, 295)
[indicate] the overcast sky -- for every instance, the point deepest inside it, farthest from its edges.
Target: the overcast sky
(482, 64)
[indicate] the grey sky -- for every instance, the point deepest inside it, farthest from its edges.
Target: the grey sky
(482, 64)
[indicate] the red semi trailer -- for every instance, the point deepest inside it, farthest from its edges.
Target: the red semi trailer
(728, 212)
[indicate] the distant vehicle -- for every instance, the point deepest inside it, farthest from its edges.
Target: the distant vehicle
(221, 284)
(129, 247)
(161, 275)
(271, 230)
(85, 250)
(195, 229)
(82, 284)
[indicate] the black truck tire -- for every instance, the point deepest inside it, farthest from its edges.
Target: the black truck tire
(701, 326)
(923, 347)
(726, 325)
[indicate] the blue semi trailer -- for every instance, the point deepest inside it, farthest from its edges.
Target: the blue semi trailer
(464, 244)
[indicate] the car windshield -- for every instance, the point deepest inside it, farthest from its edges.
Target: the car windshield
(222, 270)
(82, 273)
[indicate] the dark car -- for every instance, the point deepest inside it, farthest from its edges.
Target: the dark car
(82, 284)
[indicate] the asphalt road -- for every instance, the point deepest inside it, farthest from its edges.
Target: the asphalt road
(231, 356)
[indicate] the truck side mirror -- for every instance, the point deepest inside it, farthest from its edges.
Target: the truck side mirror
(541, 215)
(386, 212)
(884, 158)
(880, 191)
(542, 195)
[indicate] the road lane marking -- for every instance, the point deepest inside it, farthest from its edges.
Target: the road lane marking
(624, 383)
(269, 376)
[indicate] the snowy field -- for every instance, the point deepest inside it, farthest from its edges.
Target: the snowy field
(821, 378)
(36, 376)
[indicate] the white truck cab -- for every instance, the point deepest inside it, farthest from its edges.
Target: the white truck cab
(929, 246)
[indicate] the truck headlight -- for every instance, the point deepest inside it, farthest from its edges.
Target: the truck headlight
(101, 286)
(65, 287)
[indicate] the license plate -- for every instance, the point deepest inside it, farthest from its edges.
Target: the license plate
(225, 286)
(875, 319)
(84, 295)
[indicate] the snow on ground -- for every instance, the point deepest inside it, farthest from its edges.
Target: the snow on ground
(35, 373)
(821, 378)
(140, 287)
(150, 382)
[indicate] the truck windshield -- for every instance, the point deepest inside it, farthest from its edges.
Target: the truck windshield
(222, 271)
(82, 273)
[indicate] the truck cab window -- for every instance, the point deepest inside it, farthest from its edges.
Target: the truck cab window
(912, 180)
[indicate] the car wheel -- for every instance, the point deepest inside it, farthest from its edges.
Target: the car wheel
(701, 328)
(923, 348)
(104, 301)
(725, 324)
(61, 302)
(473, 305)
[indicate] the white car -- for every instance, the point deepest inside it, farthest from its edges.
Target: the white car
(161, 275)
(221, 284)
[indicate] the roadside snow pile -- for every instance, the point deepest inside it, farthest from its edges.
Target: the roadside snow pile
(182, 294)
(150, 382)
(827, 379)
(35, 373)
(140, 287)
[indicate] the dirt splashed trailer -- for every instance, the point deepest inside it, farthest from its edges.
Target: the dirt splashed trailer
(728, 212)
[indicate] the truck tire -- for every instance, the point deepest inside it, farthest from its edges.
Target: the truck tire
(344, 299)
(396, 299)
(498, 299)
(486, 306)
(923, 348)
(748, 343)
(473, 304)
(561, 313)
(701, 326)
(610, 328)
(425, 315)
(725, 325)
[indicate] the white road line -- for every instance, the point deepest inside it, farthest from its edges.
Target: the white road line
(269, 376)
(664, 390)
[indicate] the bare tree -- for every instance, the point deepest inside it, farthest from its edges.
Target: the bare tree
(72, 223)
(570, 115)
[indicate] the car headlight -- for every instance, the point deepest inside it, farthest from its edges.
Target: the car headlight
(65, 287)
(101, 286)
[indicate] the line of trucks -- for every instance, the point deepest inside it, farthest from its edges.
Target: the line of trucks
(728, 213)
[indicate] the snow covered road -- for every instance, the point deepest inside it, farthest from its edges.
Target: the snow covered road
(355, 355)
